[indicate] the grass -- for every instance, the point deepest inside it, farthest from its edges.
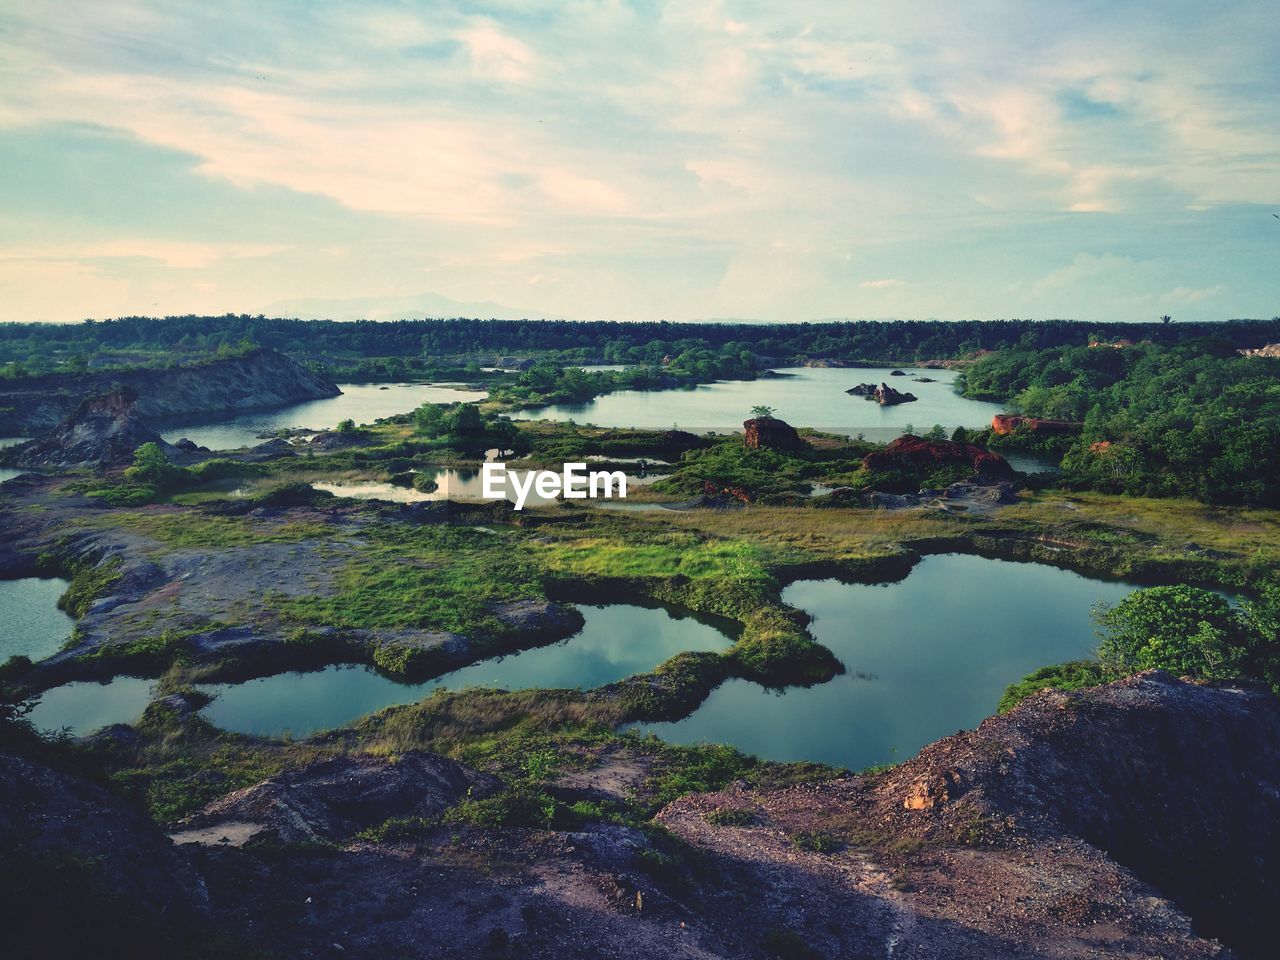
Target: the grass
(186, 528)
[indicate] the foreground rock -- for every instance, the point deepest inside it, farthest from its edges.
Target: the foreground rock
(104, 431)
(335, 799)
(83, 874)
(770, 433)
(1140, 819)
(259, 379)
(1136, 820)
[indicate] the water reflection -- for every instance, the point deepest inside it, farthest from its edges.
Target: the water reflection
(616, 641)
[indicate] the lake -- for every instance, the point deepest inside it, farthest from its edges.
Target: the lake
(806, 397)
(616, 641)
(31, 625)
(361, 402)
(926, 656)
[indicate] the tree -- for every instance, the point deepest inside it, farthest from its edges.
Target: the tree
(760, 410)
(347, 426)
(1185, 630)
(1166, 319)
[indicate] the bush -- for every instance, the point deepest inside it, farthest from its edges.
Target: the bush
(1073, 675)
(1185, 630)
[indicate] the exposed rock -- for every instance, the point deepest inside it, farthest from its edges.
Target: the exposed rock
(1000, 492)
(335, 799)
(923, 380)
(84, 874)
(1003, 424)
(915, 454)
(103, 432)
(884, 394)
(1136, 819)
(260, 379)
(770, 433)
(329, 440)
(538, 618)
(897, 373)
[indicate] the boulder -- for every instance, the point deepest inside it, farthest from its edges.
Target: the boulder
(104, 431)
(884, 394)
(770, 433)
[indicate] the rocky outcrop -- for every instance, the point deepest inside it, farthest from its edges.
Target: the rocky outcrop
(1137, 819)
(335, 799)
(260, 379)
(770, 433)
(103, 432)
(83, 874)
(884, 394)
(912, 454)
(1003, 424)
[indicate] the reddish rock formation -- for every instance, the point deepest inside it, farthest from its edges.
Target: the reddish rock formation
(770, 433)
(1003, 424)
(909, 453)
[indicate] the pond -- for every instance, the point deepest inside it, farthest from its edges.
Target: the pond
(451, 484)
(31, 625)
(616, 641)
(926, 656)
(805, 397)
(84, 707)
(361, 402)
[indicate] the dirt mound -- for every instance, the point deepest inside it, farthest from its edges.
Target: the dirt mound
(83, 874)
(104, 431)
(1135, 819)
(335, 799)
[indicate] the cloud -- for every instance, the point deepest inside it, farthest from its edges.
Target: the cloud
(689, 159)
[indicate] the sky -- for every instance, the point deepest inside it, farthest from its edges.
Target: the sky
(1109, 160)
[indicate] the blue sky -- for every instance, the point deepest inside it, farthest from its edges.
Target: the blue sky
(798, 161)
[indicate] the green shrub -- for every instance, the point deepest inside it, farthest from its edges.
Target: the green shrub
(1073, 675)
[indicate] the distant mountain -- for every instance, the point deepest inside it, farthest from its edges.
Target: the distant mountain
(399, 308)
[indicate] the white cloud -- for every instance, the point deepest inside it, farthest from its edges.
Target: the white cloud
(702, 159)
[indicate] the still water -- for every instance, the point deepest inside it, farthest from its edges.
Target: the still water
(616, 641)
(926, 656)
(83, 707)
(807, 397)
(361, 402)
(31, 625)
(453, 484)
